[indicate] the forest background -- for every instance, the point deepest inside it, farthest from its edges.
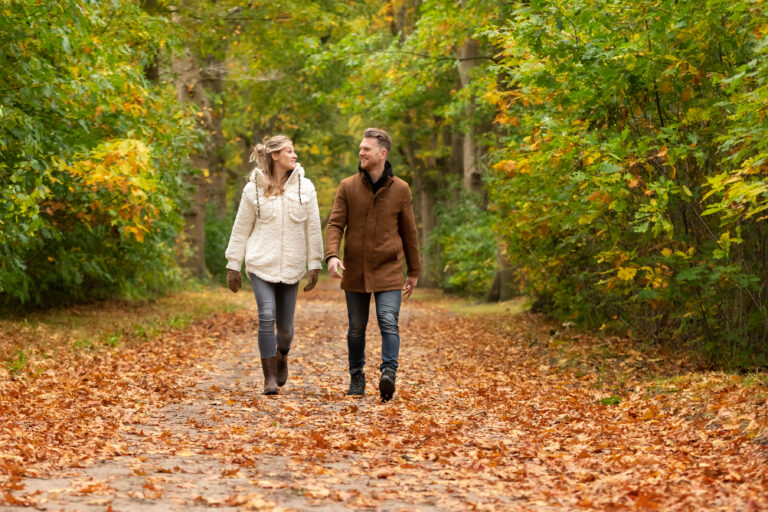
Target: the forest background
(607, 159)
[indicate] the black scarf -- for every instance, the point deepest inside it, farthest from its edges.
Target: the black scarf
(382, 180)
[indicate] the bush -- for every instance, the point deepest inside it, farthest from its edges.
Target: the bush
(466, 243)
(217, 232)
(108, 224)
(93, 155)
(632, 183)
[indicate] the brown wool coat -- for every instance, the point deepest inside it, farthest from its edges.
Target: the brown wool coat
(380, 233)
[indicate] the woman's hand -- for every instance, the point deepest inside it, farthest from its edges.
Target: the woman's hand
(311, 279)
(234, 281)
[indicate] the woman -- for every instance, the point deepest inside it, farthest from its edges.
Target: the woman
(277, 234)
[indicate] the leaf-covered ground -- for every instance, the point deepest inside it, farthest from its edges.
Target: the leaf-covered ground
(492, 412)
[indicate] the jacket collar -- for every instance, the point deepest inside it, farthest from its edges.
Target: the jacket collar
(382, 180)
(260, 178)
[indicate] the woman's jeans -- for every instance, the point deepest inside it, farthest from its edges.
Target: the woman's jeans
(277, 304)
(387, 312)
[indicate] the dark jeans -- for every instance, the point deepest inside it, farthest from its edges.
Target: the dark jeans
(387, 312)
(277, 304)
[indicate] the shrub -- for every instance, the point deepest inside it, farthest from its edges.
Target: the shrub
(217, 231)
(632, 183)
(466, 243)
(93, 155)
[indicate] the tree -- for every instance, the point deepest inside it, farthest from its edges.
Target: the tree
(92, 154)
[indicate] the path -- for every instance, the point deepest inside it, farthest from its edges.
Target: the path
(477, 423)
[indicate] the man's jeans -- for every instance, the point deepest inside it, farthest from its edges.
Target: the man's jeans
(387, 312)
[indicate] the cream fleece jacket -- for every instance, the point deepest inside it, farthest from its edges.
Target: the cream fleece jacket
(278, 237)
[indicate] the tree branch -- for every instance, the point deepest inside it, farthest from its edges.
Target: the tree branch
(427, 56)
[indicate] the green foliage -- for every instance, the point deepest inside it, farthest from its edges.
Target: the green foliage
(277, 84)
(111, 339)
(399, 69)
(627, 158)
(217, 233)
(323, 73)
(632, 181)
(466, 243)
(93, 154)
(81, 344)
(17, 364)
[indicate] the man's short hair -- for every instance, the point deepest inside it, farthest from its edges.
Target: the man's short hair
(382, 137)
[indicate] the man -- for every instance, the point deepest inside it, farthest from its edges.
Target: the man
(375, 209)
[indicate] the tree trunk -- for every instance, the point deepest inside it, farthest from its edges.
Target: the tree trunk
(456, 163)
(239, 178)
(194, 78)
(213, 80)
(468, 57)
(504, 286)
(189, 88)
(424, 189)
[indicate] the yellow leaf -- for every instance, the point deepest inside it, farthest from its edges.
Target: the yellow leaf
(627, 273)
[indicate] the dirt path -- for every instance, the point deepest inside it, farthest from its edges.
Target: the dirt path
(477, 423)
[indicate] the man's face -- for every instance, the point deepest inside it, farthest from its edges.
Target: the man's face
(371, 154)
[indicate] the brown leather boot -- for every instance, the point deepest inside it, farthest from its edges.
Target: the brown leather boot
(282, 368)
(269, 367)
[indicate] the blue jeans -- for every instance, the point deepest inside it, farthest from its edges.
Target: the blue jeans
(387, 312)
(277, 304)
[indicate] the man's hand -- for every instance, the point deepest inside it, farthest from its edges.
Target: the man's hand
(410, 284)
(334, 265)
(234, 281)
(311, 279)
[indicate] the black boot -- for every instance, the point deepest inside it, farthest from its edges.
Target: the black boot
(387, 384)
(357, 384)
(269, 367)
(282, 368)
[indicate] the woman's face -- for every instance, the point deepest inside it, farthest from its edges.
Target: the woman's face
(285, 158)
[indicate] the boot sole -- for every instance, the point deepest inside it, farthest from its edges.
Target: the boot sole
(270, 391)
(386, 388)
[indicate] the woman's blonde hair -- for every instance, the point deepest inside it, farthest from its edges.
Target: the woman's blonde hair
(261, 154)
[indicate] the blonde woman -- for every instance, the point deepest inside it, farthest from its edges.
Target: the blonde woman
(277, 234)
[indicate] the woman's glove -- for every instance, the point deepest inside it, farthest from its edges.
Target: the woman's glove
(311, 279)
(234, 281)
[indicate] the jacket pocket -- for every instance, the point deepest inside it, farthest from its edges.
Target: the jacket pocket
(297, 211)
(267, 208)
